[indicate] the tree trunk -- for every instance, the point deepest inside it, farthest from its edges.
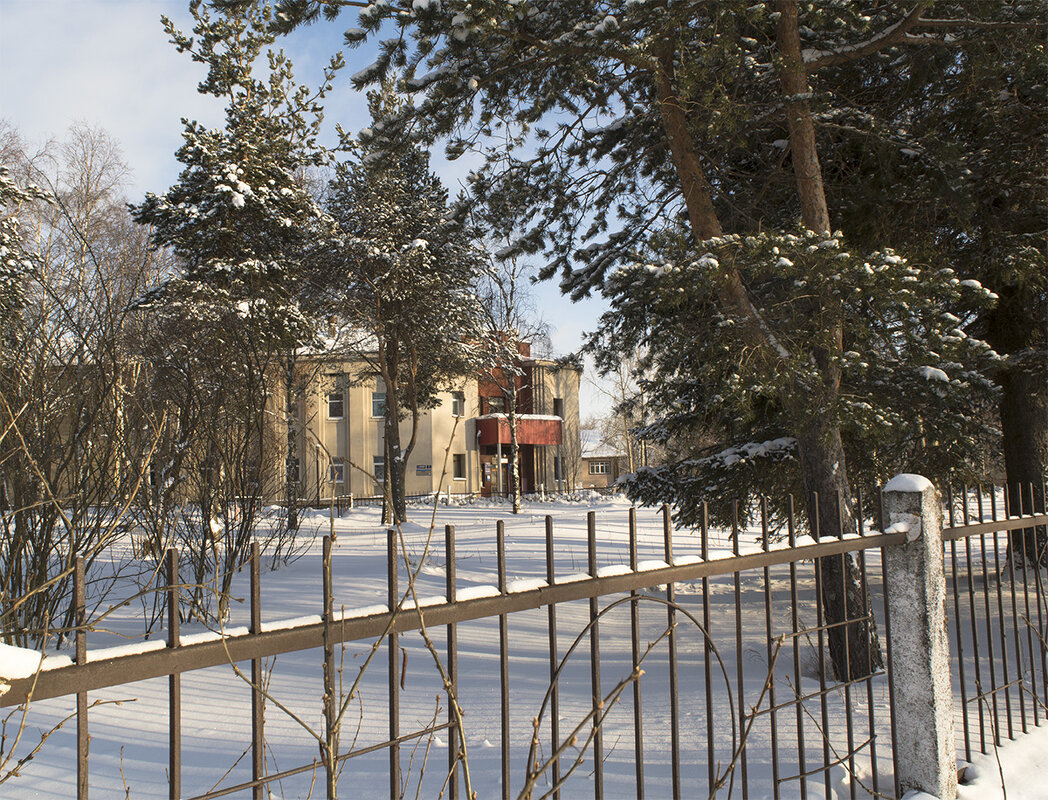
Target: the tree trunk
(514, 448)
(290, 482)
(1024, 428)
(1012, 328)
(732, 294)
(394, 460)
(854, 648)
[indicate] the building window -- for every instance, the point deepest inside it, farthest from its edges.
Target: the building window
(378, 404)
(338, 471)
(459, 466)
(496, 405)
(336, 408)
(558, 468)
(558, 407)
(378, 468)
(458, 404)
(598, 467)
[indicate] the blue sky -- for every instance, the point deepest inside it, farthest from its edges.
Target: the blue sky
(108, 63)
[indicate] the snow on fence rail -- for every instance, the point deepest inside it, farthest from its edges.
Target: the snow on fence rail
(737, 655)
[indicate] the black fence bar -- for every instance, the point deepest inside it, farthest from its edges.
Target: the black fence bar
(554, 661)
(83, 740)
(707, 651)
(330, 701)
(393, 596)
(500, 547)
(638, 714)
(870, 705)
(849, 722)
(770, 650)
(258, 741)
(594, 637)
(1016, 636)
(671, 646)
(791, 532)
(958, 634)
(450, 579)
(991, 656)
(739, 671)
(174, 685)
(824, 709)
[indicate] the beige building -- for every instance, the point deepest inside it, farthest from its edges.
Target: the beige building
(602, 464)
(462, 444)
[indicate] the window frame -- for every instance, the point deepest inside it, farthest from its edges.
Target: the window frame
(457, 460)
(340, 399)
(599, 467)
(336, 471)
(378, 397)
(458, 404)
(378, 468)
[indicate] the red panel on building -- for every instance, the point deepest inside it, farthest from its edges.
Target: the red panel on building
(530, 430)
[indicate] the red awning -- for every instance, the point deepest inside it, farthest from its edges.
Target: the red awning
(530, 430)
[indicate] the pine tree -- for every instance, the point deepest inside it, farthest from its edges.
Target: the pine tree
(969, 193)
(400, 276)
(630, 120)
(240, 223)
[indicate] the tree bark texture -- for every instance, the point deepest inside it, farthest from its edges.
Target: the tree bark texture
(854, 647)
(514, 446)
(845, 596)
(698, 202)
(291, 459)
(1024, 428)
(395, 462)
(803, 149)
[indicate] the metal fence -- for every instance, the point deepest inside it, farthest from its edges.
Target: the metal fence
(789, 727)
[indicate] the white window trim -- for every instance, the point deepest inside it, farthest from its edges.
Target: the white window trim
(373, 396)
(457, 397)
(465, 467)
(342, 399)
(336, 471)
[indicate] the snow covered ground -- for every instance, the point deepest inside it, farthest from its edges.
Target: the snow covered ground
(129, 739)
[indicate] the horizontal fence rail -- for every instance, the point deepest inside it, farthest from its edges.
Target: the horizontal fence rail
(234, 648)
(812, 719)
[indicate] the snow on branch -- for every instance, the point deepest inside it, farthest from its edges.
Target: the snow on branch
(893, 34)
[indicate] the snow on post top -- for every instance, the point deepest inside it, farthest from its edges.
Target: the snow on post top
(908, 482)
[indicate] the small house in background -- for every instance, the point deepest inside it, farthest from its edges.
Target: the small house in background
(602, 463)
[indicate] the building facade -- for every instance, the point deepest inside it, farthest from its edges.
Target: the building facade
(462, 444)
(602, 463)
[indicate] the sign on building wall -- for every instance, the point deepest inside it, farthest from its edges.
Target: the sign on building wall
(424, 469)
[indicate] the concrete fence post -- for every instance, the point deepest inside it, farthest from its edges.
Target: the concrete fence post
(919, 669)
